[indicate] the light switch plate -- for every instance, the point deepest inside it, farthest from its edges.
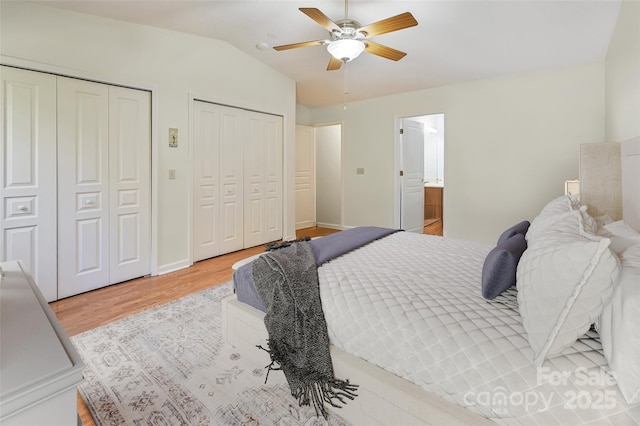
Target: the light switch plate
(172, 174)
(173, 137)
(360, 171)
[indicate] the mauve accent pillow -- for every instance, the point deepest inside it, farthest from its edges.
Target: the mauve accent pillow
(500, 265)
(518, 228)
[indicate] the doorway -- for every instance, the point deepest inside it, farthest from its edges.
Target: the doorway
(421, 182)
(319, 176)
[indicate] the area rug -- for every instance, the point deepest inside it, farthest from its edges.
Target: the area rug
(170, 366)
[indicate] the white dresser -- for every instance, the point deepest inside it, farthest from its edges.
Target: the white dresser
(39, 367)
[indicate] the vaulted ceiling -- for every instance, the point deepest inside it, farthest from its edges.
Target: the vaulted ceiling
(454, 41)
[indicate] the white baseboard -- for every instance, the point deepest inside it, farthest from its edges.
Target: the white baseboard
(172, 267)
(331, 226)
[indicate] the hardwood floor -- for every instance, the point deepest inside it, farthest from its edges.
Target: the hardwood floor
(433, 227)
(95, 308)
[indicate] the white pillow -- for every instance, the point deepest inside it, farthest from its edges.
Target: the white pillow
(630, 257)
(571, 221)
(563, 281)
(622, 236)
(620, 329)
(542, 224)
(565, 204)
(591, 225)
(561, 204)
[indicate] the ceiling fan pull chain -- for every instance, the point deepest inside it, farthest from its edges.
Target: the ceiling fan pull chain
(345, 93)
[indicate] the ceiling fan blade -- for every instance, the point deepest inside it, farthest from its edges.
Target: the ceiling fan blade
(384, 51)
(395, 23)
(334, 64)
(296, 45)
(320, 18)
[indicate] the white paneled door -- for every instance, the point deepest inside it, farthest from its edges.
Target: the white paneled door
(218, 178)
(28, 176)
(231, 179)
(273, 178)
(237, 174)
(412, 206)
(263, 180)
(83, 186)
(103, 185)
(206, 180)
(129, 183)
(305, 177)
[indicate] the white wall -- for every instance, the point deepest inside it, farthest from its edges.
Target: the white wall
(303, 115)
(176, 67)
(329, 176)
(510, 145)
(622, 76)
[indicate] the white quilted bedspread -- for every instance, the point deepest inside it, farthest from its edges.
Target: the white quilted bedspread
(412, 305)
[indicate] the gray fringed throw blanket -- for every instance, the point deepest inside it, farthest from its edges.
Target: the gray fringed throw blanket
(287, 281)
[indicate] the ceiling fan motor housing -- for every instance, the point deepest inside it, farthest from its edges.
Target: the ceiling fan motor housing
(348, 30)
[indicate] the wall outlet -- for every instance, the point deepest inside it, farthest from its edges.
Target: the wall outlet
(360, 171)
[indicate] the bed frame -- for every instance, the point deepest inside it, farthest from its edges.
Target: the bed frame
(384, 398)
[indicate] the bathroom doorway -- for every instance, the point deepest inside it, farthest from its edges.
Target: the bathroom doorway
(422, 212)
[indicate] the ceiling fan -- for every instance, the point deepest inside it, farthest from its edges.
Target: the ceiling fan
(348, 39)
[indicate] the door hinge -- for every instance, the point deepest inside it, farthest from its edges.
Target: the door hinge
(401, 173)
(402, 131)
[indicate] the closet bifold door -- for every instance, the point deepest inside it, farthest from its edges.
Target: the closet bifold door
(218, 177)
(263, 180)
(129, 184)
(28, 176)
(83, 185)
(232, 128)
(206, 180)
(104, 185)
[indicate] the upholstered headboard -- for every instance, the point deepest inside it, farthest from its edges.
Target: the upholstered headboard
(610, 180)
(601, 179)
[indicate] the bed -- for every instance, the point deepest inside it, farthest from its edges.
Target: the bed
(427, 345)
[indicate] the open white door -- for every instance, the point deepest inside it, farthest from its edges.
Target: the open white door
(305, 177)
(412, 169)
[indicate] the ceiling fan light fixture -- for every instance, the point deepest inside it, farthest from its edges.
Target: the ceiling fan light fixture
(346, 49)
